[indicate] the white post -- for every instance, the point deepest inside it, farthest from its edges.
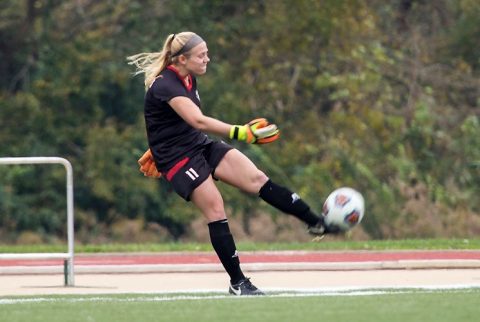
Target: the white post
(69, 274)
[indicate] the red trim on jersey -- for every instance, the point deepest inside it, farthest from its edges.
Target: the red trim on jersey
(190, 81)
(176, 167)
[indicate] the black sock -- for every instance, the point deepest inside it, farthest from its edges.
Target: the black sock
(224, 245)
(288, 202)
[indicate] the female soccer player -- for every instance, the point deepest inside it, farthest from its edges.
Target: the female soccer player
(191, 161)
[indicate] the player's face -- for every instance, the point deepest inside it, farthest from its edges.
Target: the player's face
(198, 59)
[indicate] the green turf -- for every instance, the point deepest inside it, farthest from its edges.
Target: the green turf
(326, 244)
(399, 305)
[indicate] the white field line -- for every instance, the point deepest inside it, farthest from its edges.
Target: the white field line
(197, 295)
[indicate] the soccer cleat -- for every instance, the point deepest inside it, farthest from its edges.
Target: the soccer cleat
(244, 287)
(320, 230)
(317, 230)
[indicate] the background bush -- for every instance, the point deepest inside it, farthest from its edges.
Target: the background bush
(382, 96)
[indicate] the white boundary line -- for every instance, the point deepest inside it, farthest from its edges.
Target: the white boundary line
(197, 295)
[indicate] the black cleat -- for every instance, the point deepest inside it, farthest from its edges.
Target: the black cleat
(320, 230)
(317, 230)
(244, 287)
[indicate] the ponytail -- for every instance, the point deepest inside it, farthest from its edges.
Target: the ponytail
(152, 64)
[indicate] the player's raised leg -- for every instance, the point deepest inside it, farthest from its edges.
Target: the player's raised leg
(238, 170)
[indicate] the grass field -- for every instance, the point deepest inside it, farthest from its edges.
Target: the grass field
(326, 244)
(373, 305)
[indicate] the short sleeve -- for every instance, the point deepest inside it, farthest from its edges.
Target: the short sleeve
(164, 88)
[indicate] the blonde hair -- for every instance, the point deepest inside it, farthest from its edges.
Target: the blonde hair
(152, 64)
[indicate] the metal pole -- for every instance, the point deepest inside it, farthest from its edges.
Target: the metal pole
(70, 230)
(69, 274)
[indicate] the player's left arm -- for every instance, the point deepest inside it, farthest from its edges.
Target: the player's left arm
(193, 115)
(258, 131)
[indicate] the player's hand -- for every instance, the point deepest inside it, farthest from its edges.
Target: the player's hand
(257, 131)
(147, 165)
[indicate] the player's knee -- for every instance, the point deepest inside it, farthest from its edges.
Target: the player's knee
(215, 215)
(215, 211)
(257, 180)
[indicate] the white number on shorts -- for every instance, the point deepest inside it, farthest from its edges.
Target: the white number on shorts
(192, 174)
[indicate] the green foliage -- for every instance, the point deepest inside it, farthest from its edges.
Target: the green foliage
(380, 96)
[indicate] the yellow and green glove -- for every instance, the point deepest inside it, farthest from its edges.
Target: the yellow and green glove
(258, 131)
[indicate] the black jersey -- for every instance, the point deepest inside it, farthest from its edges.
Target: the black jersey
(170, 138)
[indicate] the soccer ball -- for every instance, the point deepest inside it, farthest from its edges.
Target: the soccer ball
(343, 209)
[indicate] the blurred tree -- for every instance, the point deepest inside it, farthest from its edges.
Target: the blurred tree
(382, 96)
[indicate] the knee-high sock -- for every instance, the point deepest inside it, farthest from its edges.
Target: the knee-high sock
(288, 202)
(224, 245)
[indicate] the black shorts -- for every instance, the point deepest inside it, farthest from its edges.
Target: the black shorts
(190, 172)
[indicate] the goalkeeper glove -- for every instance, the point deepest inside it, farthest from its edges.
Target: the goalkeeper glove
(147, 165)
(258, 131)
